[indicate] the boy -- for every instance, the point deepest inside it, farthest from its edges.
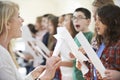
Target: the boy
(81, 20)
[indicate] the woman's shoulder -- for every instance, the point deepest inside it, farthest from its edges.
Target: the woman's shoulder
(5, 58)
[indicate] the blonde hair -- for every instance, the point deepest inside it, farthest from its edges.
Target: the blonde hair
(12, 53)
(7, 10)
(99, 3)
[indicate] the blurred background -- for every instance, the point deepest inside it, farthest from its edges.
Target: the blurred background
(30, 9)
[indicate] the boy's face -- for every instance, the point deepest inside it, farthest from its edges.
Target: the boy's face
(80, 22)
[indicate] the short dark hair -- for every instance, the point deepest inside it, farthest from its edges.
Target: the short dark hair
(86, 12)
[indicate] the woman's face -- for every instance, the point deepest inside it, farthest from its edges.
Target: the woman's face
(50, 27)
(100, 27)
(15, 24)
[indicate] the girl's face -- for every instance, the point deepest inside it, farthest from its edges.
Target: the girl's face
(38, 25)
(100, 27)
(50, 27)
(67, 21)
(60, 21)
(14, 25)
(44, 22)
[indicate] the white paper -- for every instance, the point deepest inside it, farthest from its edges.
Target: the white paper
(65, 52)
(68, 40)
(43, 47)
(38, 59)
(91, 54)
(41, 52)
(58, 45)
(71, 43)
(26, 35)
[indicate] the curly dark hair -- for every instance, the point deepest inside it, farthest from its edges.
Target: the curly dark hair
(110, 16)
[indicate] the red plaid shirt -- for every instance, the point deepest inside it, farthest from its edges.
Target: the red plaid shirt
(110, 59)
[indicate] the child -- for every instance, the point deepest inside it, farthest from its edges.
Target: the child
(108, 41)
(107, 29)
(81, 21)
(67, 63)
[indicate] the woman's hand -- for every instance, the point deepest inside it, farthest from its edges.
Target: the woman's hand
(51, 65)
(37, 71)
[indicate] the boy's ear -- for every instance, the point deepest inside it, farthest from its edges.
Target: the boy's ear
(88, 21)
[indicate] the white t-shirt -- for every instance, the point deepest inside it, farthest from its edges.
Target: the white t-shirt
(66, 71)
(8, 70)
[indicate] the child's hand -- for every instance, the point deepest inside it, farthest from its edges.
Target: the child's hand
(82, 50)
(98, 75)
(71, 55)
(78, 64)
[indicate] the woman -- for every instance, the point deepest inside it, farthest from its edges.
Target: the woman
(10, 24)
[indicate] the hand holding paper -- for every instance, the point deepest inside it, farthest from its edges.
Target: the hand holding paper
(68, 40)
(91, 54)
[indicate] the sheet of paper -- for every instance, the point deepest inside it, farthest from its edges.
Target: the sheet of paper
(41, 52)
(26, 35)
(58, 45)
(71, 43)
(43, 47)
(36, 48)
(68, 40)
(65, 52)
(91, 53)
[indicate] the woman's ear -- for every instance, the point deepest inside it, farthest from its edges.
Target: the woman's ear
(7, 25)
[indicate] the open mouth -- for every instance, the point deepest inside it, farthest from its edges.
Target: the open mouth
(77, 26)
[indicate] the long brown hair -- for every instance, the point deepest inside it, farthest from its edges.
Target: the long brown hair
(54, 21)
(73, 31)
(110, 16)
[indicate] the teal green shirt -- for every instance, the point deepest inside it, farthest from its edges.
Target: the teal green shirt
(77, 74)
